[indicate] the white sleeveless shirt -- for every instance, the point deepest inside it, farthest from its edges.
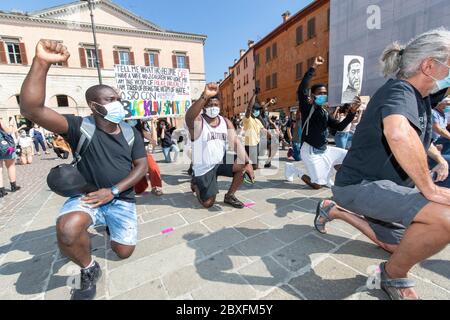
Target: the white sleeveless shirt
(210, 148)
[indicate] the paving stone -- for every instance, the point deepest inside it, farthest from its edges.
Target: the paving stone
(329, 281)
(155, 227)
(154, 290)
(264, 274)
(159, 243)
(217, 241)
(133, 274)
(252, 227)
(259, 246)
(229, 219)
(218, 268)
(301, 252)
(361, 255)
(282, 293)
(196, 215)
(25, 279)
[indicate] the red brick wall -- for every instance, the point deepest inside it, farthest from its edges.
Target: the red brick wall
(289, 54)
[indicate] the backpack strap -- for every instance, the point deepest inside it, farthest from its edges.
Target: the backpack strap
(128, 133)
(87, 130)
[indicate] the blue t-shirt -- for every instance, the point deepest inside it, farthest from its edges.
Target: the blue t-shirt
(441, 120)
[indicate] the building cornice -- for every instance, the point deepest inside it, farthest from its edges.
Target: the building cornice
(67, 8)
(165, 35)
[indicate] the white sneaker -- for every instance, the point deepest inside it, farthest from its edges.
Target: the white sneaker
(289, 172)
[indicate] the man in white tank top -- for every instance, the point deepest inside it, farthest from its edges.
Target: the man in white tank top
(211, 134)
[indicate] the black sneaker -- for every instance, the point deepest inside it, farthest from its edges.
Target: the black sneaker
(88, 287)
(3, 192)
(15, 187)
(268, 165)
(233, 201)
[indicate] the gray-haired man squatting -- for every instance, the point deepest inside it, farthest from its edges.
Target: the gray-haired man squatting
(385, 178)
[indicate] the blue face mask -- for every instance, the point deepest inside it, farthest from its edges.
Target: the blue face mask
(444, 83)
(115, 112)
(256, 113)
(133, 123)
(447, 109)
(321, 100)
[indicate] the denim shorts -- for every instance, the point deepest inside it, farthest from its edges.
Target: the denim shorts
(120, 217)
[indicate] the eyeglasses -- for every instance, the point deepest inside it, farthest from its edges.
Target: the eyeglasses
(442, 63)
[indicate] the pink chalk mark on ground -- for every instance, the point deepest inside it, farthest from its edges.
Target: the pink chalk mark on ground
(166, 231)
(250, 204)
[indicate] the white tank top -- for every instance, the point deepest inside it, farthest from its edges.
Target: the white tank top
(210, 148)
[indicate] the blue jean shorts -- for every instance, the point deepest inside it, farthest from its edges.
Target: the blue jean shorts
(120, 217)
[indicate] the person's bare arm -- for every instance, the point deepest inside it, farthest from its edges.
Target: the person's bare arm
(441, 131)
(163, 132)
(408, 150)
(441, 168)
(32, 95)
(248, 112)
(239, 149)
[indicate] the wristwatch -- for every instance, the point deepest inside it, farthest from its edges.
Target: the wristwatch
(115, 191)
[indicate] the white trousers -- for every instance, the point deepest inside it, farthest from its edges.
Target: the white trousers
(320, 166)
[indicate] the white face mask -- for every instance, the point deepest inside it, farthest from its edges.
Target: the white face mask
(212, 112)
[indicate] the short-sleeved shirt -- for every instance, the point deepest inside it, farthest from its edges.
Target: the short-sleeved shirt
(252, 129)
(370, 158)
(439, 119)
(108, 159)
(167, 141)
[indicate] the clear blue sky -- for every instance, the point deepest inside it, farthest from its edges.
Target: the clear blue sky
(227, 23)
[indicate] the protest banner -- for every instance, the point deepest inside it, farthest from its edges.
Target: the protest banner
(148, 92)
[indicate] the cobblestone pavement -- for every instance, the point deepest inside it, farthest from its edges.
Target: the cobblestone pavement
(267, 251)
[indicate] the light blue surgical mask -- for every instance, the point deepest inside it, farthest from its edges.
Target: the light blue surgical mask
(256, 113)
(321, 100)
(447, 109)
(115, 112)
(444, 83)
(133, 122)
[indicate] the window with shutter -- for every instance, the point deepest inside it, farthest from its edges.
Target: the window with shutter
(267, 54)
(3, 58)
(299, 35)
(268, 83)
(298, 71)
(124, 57)
(90, 58)
(311, 28)
(274, 81)
(13, 51)
(82, 54)
(257, 60)
(274, 50)
(23, 53)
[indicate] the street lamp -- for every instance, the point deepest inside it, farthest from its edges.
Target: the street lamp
(91, 9)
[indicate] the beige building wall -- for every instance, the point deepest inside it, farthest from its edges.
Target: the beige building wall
(122, 31)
